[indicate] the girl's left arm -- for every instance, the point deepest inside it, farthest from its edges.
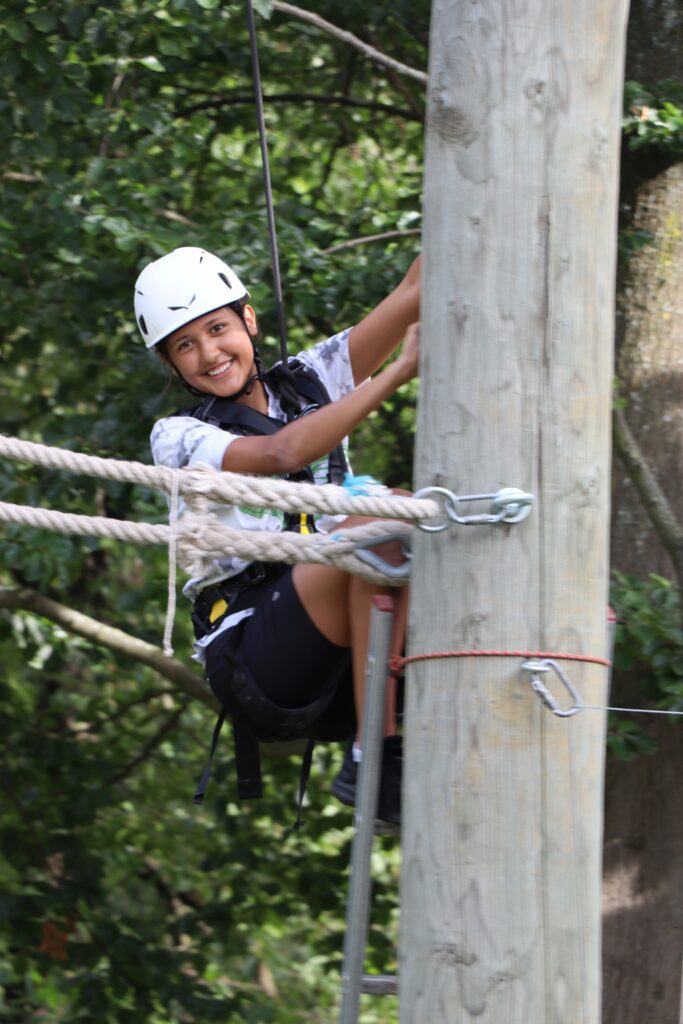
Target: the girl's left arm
(372, 341)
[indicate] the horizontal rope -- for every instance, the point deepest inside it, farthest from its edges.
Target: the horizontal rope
(85, 526)
(269, 492)
(199, 538)
(396, 663)
(88, 465)
(203, 483)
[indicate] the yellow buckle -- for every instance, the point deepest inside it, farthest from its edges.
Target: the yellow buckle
(218, 608)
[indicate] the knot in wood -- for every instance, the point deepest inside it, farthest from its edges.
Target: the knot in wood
(450, 121)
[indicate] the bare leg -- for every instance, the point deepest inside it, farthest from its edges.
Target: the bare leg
(339, 604)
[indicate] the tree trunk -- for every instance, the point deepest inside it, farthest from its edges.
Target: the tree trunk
(643, 869)
(643, 888)
(503, 801)
(655, 40)
(650, 370)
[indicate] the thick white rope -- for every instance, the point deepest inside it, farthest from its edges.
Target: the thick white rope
(196, 538)
(269, 492)
(85, 526)
(200, 537)
(204, 482)
(88, 465)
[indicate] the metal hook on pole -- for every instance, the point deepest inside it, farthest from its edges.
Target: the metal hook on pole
(508, 505)
(539, 668)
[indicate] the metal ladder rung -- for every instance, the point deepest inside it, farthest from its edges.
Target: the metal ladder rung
(379, 984)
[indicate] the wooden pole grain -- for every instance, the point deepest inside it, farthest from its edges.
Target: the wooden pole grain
(502, 821)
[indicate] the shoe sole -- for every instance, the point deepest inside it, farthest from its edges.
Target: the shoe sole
(391, 818)
(347, 796)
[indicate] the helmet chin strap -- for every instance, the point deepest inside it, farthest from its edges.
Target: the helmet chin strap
(247, 388)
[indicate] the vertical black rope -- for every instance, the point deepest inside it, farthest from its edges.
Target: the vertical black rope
(266, 180)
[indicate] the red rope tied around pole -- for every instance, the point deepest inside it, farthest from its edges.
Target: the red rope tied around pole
(398, 663)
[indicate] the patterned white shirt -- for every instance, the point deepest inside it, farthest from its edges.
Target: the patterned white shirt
(180, 441)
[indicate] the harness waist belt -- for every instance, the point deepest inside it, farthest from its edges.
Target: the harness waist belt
(213, 602)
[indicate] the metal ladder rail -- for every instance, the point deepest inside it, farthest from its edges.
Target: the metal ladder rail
(367, 795)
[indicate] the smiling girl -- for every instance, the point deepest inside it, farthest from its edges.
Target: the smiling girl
(284, 648)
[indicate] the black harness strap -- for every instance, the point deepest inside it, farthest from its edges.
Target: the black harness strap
(224, 413)
(247, 761)
(241, 419)
(206, 774)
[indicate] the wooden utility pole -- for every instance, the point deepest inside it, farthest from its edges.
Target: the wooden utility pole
(502, 818)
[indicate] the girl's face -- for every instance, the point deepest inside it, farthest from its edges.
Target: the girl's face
(214, 353)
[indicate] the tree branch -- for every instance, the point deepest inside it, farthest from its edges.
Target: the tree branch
(663, 519)
(350, 40)
(405, 90)
(179, 218)
(149, 747)
(108, 636)
(370, 238)
(32, 179)
(297, 97)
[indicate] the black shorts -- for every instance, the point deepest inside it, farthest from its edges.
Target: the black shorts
(289, 658)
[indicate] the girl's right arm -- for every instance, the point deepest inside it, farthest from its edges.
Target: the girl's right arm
(312, 437)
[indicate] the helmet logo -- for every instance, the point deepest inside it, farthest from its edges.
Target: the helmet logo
(174, 309)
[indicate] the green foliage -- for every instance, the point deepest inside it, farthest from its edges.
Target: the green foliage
(649, 647)
(123, 901)
(653, 115)
(129, 129)
(632, 240)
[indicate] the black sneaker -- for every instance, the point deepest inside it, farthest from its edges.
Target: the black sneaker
(344, 786)
(389, 807)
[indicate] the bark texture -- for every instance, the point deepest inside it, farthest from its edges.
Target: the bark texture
(650, 371)
(654, 40)
(643, 884)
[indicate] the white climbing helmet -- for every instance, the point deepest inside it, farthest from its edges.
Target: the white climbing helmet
(184, 284)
